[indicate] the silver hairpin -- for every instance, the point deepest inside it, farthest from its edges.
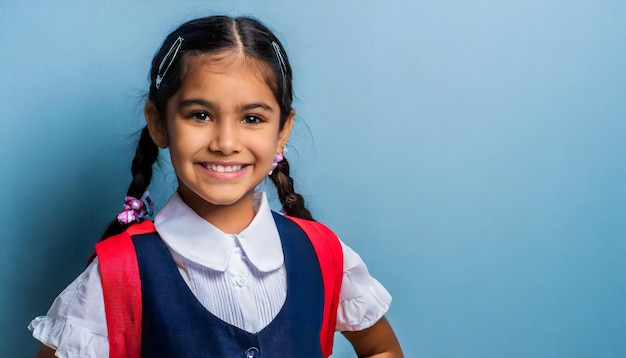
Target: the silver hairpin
(281, 61)
(171, 55)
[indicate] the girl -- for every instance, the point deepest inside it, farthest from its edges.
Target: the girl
(218, 274)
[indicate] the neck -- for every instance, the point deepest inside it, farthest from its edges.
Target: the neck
(231, 219)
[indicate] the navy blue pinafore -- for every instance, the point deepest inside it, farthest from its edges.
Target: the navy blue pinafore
(175, 324)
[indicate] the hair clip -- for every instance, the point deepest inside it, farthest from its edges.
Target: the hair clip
(171, 56)
(281, 62)
(135, 209)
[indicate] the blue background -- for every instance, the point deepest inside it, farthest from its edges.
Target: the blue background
(471, 151)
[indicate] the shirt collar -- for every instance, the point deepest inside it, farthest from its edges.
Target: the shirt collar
(196, 239)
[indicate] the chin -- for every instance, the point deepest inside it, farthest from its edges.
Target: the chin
(197, 196)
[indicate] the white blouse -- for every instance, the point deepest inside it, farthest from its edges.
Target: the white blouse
(239, 278)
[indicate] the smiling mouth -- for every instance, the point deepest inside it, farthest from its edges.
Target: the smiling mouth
(223, 168)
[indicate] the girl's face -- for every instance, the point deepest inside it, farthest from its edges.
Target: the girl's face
(222, 129)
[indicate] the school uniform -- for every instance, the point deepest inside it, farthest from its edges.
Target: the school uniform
(241, 280)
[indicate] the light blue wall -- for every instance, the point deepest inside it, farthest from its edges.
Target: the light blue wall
(473, 152)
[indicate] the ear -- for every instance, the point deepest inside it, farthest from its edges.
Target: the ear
(156, 125)
(284, 133)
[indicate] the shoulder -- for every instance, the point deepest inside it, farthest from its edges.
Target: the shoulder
(82, 296)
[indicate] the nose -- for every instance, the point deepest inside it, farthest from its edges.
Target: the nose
(224, 138)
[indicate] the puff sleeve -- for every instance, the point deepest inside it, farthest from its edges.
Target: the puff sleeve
(75, 325)
(362, 300)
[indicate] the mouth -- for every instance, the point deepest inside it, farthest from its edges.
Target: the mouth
(223, 168)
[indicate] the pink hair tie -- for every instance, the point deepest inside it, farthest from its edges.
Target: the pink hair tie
(135, 209)
(278, 157)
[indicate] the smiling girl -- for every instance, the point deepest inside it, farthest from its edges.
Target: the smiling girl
(218, 274)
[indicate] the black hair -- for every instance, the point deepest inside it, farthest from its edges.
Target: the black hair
(211, 35)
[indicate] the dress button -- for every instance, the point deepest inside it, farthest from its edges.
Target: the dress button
(252, 352)
(240, 281)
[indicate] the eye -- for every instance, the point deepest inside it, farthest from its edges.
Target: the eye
(200, 116)
(251, 119)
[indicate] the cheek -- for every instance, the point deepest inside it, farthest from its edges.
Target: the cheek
(186, 140)
(265, 147)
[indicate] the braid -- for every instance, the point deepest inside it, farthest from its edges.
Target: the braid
(145, 155)
(141, 168)
(293, 203)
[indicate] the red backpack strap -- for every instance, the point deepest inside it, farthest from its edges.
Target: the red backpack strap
(121, 287)
(330, 256)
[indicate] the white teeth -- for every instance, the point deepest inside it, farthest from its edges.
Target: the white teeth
(224, 169)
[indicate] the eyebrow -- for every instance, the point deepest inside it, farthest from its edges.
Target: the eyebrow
(212, 105)
(249, 106)
(200, 102)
